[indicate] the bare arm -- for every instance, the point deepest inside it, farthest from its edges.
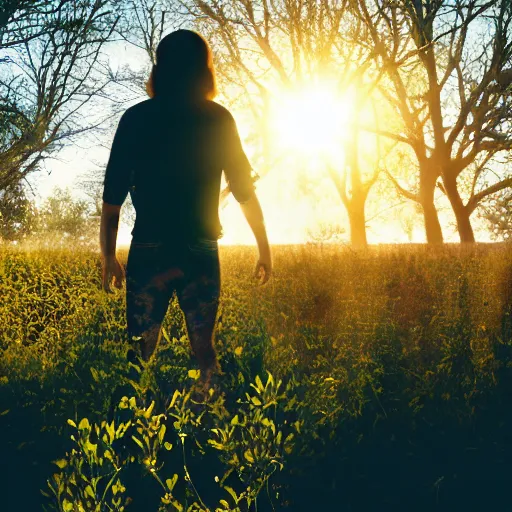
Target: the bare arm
(254, 216)
(238, 170)
(108, 237)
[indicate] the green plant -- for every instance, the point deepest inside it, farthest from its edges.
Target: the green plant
(249, 443)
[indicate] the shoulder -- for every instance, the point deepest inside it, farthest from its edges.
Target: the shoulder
(135, 116)
(218, 111)
(139, 109)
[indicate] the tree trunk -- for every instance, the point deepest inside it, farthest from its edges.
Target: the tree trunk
(356, 216)
(433, 230)
(462, 214)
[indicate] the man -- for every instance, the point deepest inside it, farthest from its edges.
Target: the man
(169, 153)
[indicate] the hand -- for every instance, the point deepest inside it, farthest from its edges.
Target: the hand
(112, 269)
(263, 269)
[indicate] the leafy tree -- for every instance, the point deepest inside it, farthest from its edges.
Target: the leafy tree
(63, 219)
(16, 214)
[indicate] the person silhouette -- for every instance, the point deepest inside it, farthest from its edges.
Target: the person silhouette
(169, 153)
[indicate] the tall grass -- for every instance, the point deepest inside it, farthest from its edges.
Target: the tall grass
(400, 359)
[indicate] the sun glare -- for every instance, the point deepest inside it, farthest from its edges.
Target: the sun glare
(310, 122)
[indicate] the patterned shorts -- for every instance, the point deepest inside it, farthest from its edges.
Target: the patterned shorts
(155, 271)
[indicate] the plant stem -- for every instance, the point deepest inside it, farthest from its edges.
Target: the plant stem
(187, 474)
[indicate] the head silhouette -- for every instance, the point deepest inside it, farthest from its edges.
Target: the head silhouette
(184, 67)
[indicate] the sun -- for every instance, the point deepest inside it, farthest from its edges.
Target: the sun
(310, 122)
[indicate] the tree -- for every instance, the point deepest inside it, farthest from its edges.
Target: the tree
(360, 152)
(50, 76)
(482, 128)
(450, 87)
(263, 46)
(497, 211)
(145, 22)
(142, 24)
(24, 20)
(496, 208)
(16, 214)
(63, 219)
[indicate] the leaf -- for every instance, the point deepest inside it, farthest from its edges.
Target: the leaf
(194, 374)
(161, 433)
(234, 420)
(215, 444)
(147, 414)
(91, 447)
(289, 438)
(248, 456)
(259, 384)
(83, 424)
(138, 441)
(177, 505)
(72, 423)
(174, 398)
(95, 375)
(232, 492)
(171, 482)
(67, 505)
(4, 412)
(165, 335)
(62, 463)
(111, 431)
(255, 400)
(269, 404)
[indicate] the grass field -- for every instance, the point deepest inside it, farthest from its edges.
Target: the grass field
(396, 383)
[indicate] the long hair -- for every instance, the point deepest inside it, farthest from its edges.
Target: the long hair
(184, 67)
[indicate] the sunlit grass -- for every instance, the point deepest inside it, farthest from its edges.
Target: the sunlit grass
(401, 355)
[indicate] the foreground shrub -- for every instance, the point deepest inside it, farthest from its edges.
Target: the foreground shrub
(249, 444)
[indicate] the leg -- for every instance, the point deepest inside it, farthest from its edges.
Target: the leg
(149, 288)
(199, 301)
(201, 319)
